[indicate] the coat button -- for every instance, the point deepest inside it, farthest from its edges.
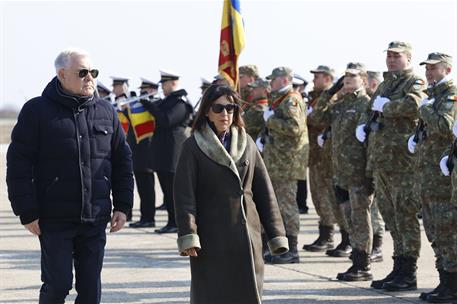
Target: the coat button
(246, 162)
(243, 221)
(106, 132)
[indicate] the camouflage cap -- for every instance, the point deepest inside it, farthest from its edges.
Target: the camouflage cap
(434, 58)
(355, 68)
(280, 71)
(259, 83)
(374, 75)
(324, 69)
(249, 70)
(399, 47)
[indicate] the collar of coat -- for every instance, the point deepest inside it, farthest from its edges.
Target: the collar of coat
(208, 142)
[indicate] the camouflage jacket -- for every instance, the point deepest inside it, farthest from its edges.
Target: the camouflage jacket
(387, 145)
(438, 119)
(348, 154)
(286, 147)
(318, 156)
(253, 117)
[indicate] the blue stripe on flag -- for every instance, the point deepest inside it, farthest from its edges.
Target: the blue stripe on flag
(236, 5)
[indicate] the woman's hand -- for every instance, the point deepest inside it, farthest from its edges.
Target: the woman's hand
(190, 252)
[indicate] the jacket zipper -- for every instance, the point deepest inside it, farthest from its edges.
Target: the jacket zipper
(76, 113)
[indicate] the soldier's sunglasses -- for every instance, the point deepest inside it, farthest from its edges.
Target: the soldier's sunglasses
(218, 108)
(84, 72)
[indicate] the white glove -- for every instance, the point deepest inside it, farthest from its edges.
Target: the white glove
(454, 128)
(320, 140)
(379, 103)
(259, 144)
(310, 110)
(267, 114)
(360, 133)
(427, 101)
(443, 166)
(411, 144)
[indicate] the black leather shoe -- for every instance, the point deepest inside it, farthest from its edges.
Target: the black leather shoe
(286, 258)
(142, 224)
(162, 207)
(167, 229)
(303, 210)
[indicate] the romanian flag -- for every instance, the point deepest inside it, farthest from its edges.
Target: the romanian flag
(143, 123)
(124, 121)
(232, 41)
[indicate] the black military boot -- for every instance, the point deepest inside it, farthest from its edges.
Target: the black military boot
(397, 266)
(290, 257)
(323, 242)
(343, 249)
(441, 286)
(376, 253)
(448, 293)
(360, 269)
(406, 278)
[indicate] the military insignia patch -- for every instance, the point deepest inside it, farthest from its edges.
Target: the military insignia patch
(418, 84)
(452, 97)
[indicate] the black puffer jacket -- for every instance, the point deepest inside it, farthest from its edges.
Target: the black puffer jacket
(65, 157)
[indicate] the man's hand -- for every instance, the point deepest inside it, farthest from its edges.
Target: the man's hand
(379, 103)
(117, 221)
(360, 133)
(443, 166)
(33, 227)
(190, 252)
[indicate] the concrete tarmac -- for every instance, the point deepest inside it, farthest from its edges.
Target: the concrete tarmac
(143, 267)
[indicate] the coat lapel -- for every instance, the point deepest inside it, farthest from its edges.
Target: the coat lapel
(208, 142)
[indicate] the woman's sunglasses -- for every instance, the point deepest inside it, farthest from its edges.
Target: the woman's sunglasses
(84, 72)
(218, 108)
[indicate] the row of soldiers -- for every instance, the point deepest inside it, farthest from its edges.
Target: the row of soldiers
(370, 150)
(365, 147)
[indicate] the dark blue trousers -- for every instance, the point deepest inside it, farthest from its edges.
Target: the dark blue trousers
(64, 245)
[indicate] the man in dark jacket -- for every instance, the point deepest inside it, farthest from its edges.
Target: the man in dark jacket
(172, 115)
(67, 155)
(142, 165)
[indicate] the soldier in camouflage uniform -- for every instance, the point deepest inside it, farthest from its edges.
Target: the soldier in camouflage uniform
(393, 116)
(433, 135)
(253, 117)
(299, 84)
(445, 226)
(374, 79)
(286, 152)
(248, 74)
(349, 163)
(320, 175)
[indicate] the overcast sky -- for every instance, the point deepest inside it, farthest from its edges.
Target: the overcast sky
(136, 39)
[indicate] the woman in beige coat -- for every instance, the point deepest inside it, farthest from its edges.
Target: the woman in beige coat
(222, 197)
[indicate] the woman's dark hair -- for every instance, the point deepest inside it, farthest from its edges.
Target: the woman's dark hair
(209, 97)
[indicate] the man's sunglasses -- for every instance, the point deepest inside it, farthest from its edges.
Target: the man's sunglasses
(83, 73)
(218, 108)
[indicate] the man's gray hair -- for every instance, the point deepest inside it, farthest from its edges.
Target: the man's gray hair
(63, 60)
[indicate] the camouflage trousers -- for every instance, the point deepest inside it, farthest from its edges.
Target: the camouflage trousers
(322, 194)
(358, 218)
(399, 210)
(432, 214)
(376, 218)
(286, 194)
